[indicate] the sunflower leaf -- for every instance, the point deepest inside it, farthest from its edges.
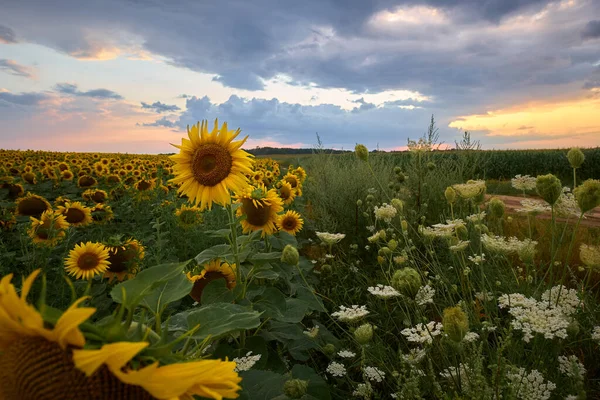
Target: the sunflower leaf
(168, 292)
(221, 318)
(221, 251)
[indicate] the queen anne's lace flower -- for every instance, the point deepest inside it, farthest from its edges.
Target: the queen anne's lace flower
(596, 334)
(414, 356)
(502, 245)
(312, 332)
(479, 259)
(336, 369)
(383, 292)
(529, 206)
(386, 212)
(346, 354)
(523, 183)
(530, 386)
(590, 255)
(571, 367)
(425, 295)
(460, 246)
(373, 374)
(363, 390)
(353, 313)
(247, 362)
(470, 337)
(330, 238)
(421, 333)
(476, 217)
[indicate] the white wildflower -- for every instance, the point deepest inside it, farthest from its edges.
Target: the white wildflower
(414, 356)
(353, 313)
(371, 228)
(336, 369)
(329, 256)
(484, 296)
(530, 386)
(385, 213)
(566, 205)
(421, 333)
(330, 238)
(470, 337)
(478, 259)
(523, 182)
(346, 354)
(383, 292)
(312, 332)
(460, 246)
(470, 189)
(560, 296)
(571, 367)
(373, 374)
(596, 334)
(376, 236)
(425, 295)
(529, 206)
(247, 362)
(363, 390)
(476, 217)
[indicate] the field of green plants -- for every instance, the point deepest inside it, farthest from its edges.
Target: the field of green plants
(212, 274)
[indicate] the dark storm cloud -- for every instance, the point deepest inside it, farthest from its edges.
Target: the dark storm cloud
(14, 68)
(7, 35)
(21, 99)
(159, 107)
(591, 30)
(72, 89)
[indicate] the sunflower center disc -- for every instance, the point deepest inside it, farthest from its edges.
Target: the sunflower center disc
(87, 261)
(74, 215)
(289, 223)
(257, 216)
(32, 207)
(211, 164)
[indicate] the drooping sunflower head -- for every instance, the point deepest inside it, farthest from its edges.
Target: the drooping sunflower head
(294, 182)
(86, 181)
(102, 213)
(211, 165)
(76, 213)
(87, 260)
(50, 229)
(67, 175)
(32, 205)
(144, 185)
(286, 193)
(124, 260)
(214, 270)
(189, 216)
(290, 222)
(95, 195)
(260, 207)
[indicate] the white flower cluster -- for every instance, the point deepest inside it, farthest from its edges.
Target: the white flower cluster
(353, 313)
(524, 183)
(590, 255)
(330, 238)
(479, 259)
(245, 363)
(346, 354)
(385, 213)
(549, 317)
(312, 332)
(421, 333)
(596, 334)
(470, 337)
(336, 369)
(529, 206)
(454, 374)
(383, 292)
(475, 218)
(363, 390)
(425, 295)
(460, 246)
(373, 374)
(511, 245)
(571, 367)
(566, 205)
(441, 230)
(414, 356)
(376, 236)
(470, 189)
(530, 386)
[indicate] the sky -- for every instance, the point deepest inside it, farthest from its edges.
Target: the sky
(130, 75)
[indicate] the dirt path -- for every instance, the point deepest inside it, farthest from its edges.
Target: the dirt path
(513, 202)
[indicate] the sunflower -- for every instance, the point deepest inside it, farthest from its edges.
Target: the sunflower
(61, 201)
(286, 193)
(257, 177)
(86, 181)
(144, 185)
(290, 222)
(32, 205)
(124, 260)
(212, 271)
(86, 260)
(188, 216)
(14, 190)
(102, 213)
(77, 214)
(95, 195)
(49, 229)
(63, 166)
(260, 207)
(293, 180)
(29, 177)
(210, 165)
(113, 179)
(300, 173)
(67, 175)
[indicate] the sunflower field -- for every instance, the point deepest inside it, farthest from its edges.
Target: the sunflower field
(211, 274)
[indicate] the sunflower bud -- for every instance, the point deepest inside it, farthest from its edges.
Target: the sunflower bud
(549, 188)
(407, 280)
(456, 323)
(575, 157)
(364, 333)
(362, 152)
(370, 198)
(295, 388)
(496, 207)
(588, 195)
(450, 195)
(329, 349)
(359, 202)
(290, 255)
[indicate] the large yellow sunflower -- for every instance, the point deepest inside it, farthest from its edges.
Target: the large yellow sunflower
(124, 260)
(260, 207)
(32, 205)
(290, 222)
(49, 229)
(210, 165)
(76, 213)
(41, 361)
(210, 272)
(87, 260)
(286, 193)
